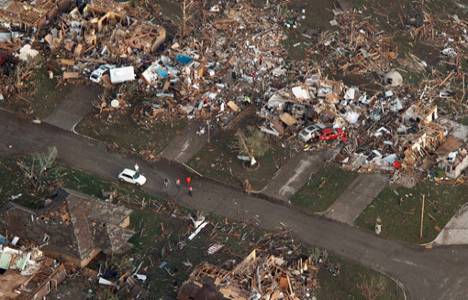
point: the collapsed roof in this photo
(31, 14)
(74, 225)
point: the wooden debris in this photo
(71, 75)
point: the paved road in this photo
(436, 274)
(356, 197)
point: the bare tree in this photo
(187, 14)
(36, 169)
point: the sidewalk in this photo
(357, 196)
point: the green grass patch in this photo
(359, 3)
(14, 186)
(464, 120)
(126, 133)
(400, 210)
(161, 241)
(47, 93)
(218, 160)
(318, 14)
(356, 282)
(41, 93)
(13, 182)
(83, 182)
(323, 188)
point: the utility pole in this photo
(422, 217)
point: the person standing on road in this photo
(166, 182)
(178, 183)
(190, 190)
(188, 180)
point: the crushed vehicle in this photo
(333, 134)
(97, 74)
(310, 132)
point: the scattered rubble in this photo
(237, 59)
(28, 274)
(256, 277)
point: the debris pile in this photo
(258, 276)
(105, 31)
(27, 274)
(31, 15)
(453, 157)
(383, 131)
(355, 47)
(214, 75)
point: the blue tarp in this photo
(3, 240)
(162, 73)
(183, 59)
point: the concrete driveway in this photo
(357, 196)
(294, 174)
(75, 105)
(455, 231)
(185, 145)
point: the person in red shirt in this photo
(188, 180)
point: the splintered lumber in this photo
(71, 75)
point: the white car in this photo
(132, 176)
(96, 75)
(310, 132)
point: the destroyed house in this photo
(28, 274)
(419, 144)
(453, 157)
(421, 112)
(46, 279)
(74, 227)
(106, 28)
(31, 14)
(257, 276)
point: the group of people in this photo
(188, 181)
